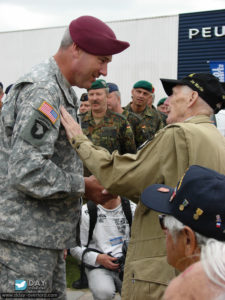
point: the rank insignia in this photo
(49, 112)
(218, 221)
(197, 214)
(183, 205)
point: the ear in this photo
(190, 241)
(193, 98)
(76, 50)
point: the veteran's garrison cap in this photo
(198, 201)
(208, 87)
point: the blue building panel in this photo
(201, 40)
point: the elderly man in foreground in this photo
(194, 225)
(190, 138)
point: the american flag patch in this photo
(49, 112)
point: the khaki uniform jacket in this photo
(162, 160)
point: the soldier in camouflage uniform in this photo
(41, 177)
(151, 118)
(104, 127)
(114, 104)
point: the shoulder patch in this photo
(49, 112)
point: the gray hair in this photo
(174, 226)
(118, 95)
(213, 261)
(66, 39)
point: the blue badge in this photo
(20, 285)
(116, 241)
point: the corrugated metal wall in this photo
(152, 54)
(195, 53)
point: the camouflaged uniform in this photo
(151, 120)
(135, 123)
(41, 176)
(113, 132)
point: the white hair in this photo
(66, 39)
(212, 252)
(174, 226)
(213, 261)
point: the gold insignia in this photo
(183, 205)
(197, 214)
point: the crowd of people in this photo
(94, 182)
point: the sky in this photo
(30, 14)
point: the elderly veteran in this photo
(142, 98)
(194, 225)
(190, 138)
(41, 177)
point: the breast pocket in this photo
(109, 132)
(109, 139)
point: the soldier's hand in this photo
(95, 191)
(72, 127)
(107, 261)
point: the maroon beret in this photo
(95, 37)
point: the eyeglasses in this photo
(162, 221)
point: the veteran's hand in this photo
(72, 127)
(95, 191)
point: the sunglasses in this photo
(162, 221)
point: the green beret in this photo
(98, 84)
(144, 85)
(161, 101)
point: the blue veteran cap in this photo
(198, 201)
(84, 97)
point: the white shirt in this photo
(220, 121)
(110, 231)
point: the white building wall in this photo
(152, 53)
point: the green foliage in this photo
(72, 270)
